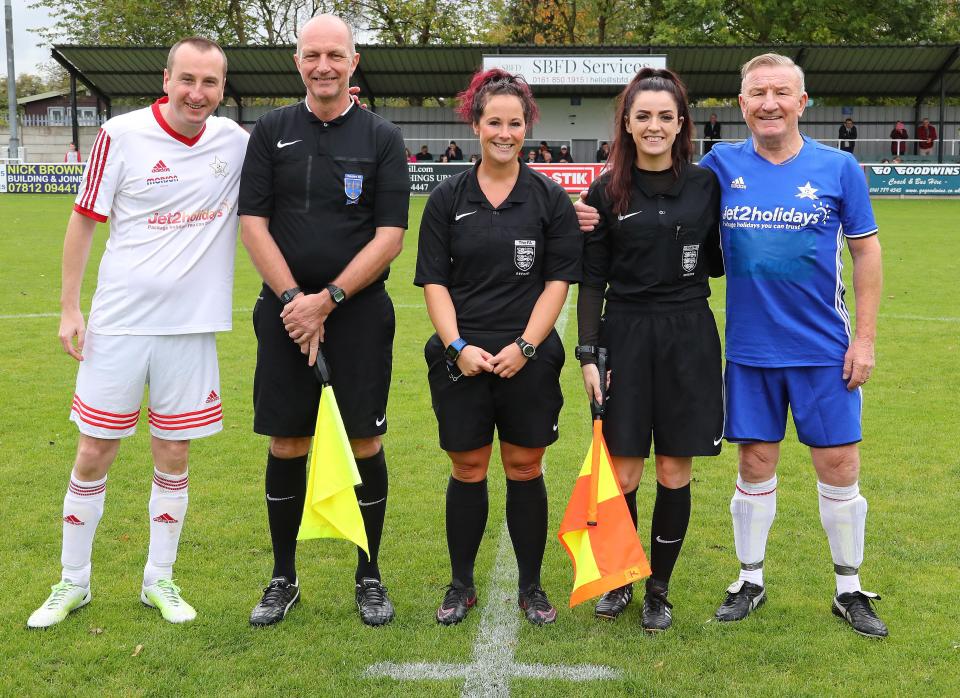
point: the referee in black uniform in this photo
(498, 248)
(657, 243)
(323, 205)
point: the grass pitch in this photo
(792, 646)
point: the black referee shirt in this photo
(325, 186)
(663, 247)
(495, 261)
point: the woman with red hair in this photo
(499, 246)
(656, 245)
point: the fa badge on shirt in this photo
(352, 187)
(524, 253)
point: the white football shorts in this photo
(181, 371)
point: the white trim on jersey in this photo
(840, 289)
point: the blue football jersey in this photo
(782, 229)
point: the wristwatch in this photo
(289, 295)
(337, 294)
(527, 349)
(453, 351)
(585, 351)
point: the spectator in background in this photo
(532, 156)
(444, 158)
(926, 134)
(474, 159)
(603, 152)
(407, 154)
(898, 139)
(848, 135)
(424, 154)
(453, 152)
(564, 154)
(72, 154)
(544, 149)
(711, 133)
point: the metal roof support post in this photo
(943, 100)
(109, 105)
(74, 118)
(916, 121)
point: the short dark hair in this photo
(201, 44)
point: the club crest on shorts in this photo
(524, 253)
(689, 259)
(352, 187)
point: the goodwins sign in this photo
(575, 70)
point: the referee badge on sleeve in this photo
(352, 187)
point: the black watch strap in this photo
(586, 353)
(336, 293)
(526, 348)
(289, 295)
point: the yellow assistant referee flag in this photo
(331, 509)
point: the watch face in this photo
(529, 350)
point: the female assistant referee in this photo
(499, 246)
(657, 243)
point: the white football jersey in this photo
(171, 200)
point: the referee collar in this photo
(344, 115)
(517, 195)
(640, 181)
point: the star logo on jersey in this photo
(807, 192)
(219, 167)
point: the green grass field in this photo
(792, 646)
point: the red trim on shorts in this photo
(100, 418)
(182, 415)
(169, 129)
(754, 494)
(191, 425)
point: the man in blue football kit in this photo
(788, 206)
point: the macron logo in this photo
(738, 183)
(160, 167)
(165, 518)
(73, 520)
(212, 397)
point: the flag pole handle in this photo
(597, 410)
(321, 369)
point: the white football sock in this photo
(843, 513)
(82, 510)
(754, 506)
(168, 509)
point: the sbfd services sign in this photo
(575, 70)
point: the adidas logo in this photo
(160, 167)
(165, 518)
(73, 520)
(738, 183)
(212, 397)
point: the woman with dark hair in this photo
(499, 246)
(657, 242)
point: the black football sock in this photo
(467, 507)
(286, 488)
(631, 498)
(527, 523)
(372, 496)
(671, 515)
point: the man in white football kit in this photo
(167, 176)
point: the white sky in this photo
(28, 55)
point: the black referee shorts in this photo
(358, 346)
(523, 409)
(666, 381)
